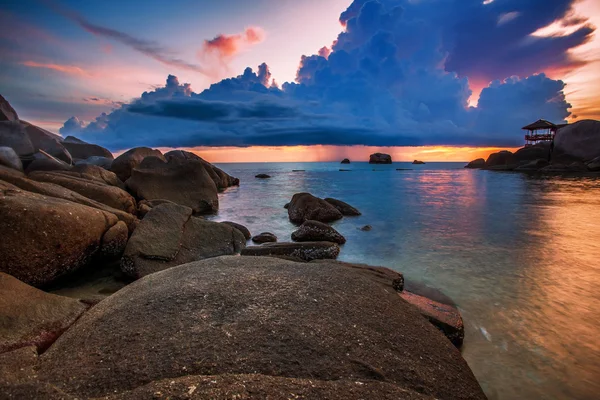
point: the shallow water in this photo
(519, 255)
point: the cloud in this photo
(66, 69)
(386, 81)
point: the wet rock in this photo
(380, 158)
(366, 228)
(126, 162)
(345, 208)
(93, 189)
(286, 206)
(306, 251)
(445, 317)
(222, 180)
(501, 161)
(305, 206)
(184, 182)
(10, 159)
(533, 165)
(315, 231)
(44, 238)
(273, 319)
(345, 161)
(580, 140)
(102, 162)
(263, 176)
(12, 134)
(476, 164)
(240, 228)
(265, 237)
(31, 317)
(417, 162)
(7, 113)
(41, 139)
(82, 150)
(169, 236)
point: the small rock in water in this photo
(265, 237)
(287, 205)
(366, 228)
(315, 231)
(263, 176)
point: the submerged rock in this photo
(265, 237)
(305, 206)
(10, 159)
(292, 327)
(366, 228)
(476, 164)
(240, 228)
(306, 251)
(315, 231)
(380, 158)
(345, 208)
(126, 162)
(263, 176)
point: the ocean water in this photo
(519, 254)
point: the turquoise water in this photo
(520, 255)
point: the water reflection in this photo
(517, 253)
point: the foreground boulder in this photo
(184, 182)
(290, 327)
(31, 317)
(380, 158)
(45, 162)
(95, 173)
(306, 251)
(169, 236)
(12, 134)
(126, 162)
(503, 161)
(345, 208)
(476, 164)
(580, 140)
(222, 180)
(240, 228)
(82, 150)
(305, 206)
(10, 159)
(315, 231)
(41, 139)
(44, 238)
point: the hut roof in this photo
(540, 124)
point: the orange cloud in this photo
(67, 69)
(227, 46)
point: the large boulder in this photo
(528, 154)
(82, 150)
(44, 237)
(345, 208)
(126, 162)
(222, 180)
(245, 231)
(50, 189)
(580, 140)
(12, 134)
(45, 162)
(380, 158)
(169, 236)
(41, 139)
(10, 159)
(306, 251)
(315, 231)
(503, 160)
(305, 206)
(91, 188)
(476, 164)
(94, 172)
(7, 113)
(290, 327)
(184, 182)
(30, 317)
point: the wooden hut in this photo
(540, 131)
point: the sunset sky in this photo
(438, 80)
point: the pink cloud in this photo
(227, 46)
(67, 69)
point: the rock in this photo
(82, 150)
(10, 159)
(379, 158)
(476, 164)
(102, 162)
(7, 113)
(531, 153)
(184, 182)
(265, 237)
(315, 231)
(305, 206)
(366, 228)
(94, 172)
(445, 317)
(286, 206)
(576, 166)
(92, 188)
(45, 162)
(292, 326)
(222, 180)
(44, 237)
(533, 165)
(49, 189)
(345, 161)
(169, 236)
(503, 160)
(345, 208)
(31, 317)
(417, 162)
(580, 140)
(145, 206)
(594, 165)
(114, 241)
(126, 162)
(306, 251)
(263, 176)
(345, 170)
(12, 134)
(41, 139)
(240, 228)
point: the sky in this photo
(303, 80)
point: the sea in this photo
(518, 253)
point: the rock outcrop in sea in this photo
(380, 158)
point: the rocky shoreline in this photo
(192, 310)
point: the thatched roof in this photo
(540, 124)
